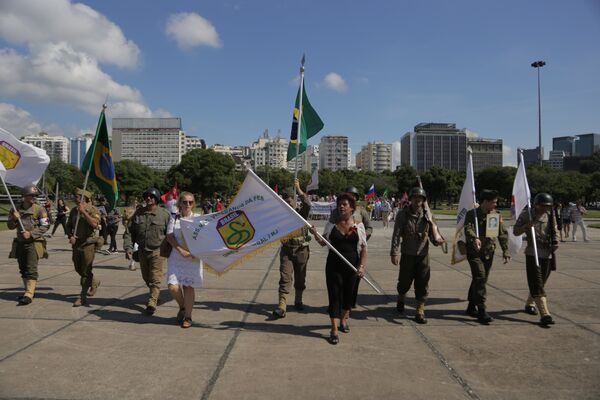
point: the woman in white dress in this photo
(184, 271)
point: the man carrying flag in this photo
(170, 200)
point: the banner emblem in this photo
(9, 155)
(235, 229)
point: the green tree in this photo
(406, 177)
(134, 178)
(68, 176)
(500, 179)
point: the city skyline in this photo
(230, 70)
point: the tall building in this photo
(486, 153)
(79, 147)
(375, 156)
(577, 145)
(157, 143)
(334, 153)
(57, 147)
(193, 142)
(269, 151)
(532, 156)
(434, 144)
(556, 159)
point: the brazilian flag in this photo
(98, 161)
(310, 126)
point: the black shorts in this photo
(566, 221)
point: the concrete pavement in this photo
(236, 351)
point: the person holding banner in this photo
(29, 245)
(293, 257)
(544, 226)
(350, 239)
(184, 271)
(481, 244)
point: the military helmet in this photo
(31, 190)
(543, 199)
(353, 190)
(417, 191)
(152, 192)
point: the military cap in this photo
(543, 199)
(85, 193)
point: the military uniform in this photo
(481, 260)
(84, 248)
(29, 251)
(148, 229)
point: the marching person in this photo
(577, 213)
(112, 225)
(29, 245)
(184, 271)
(148, 228)
(125, 217)
(480, 252)
(293, 257)
(349, 238)
(62, 211)
(544, 226)
(414, 228)
(84, 242)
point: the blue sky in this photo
(374, 69)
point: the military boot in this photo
(27, 298)
(420, 315)
(152, 300)
(482, 315)
(400, 304)
(542, 304)
(530, 306)
(81, 301)
(471, 310)
(24, 289)
(279, 312)
(94, 288)
(298, 305)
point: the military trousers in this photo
(480, 271)
(83, 260)
(151, 265)
(27, 258)
(292, 267)
(414, 269)
(537, 276)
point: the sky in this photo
(229, 69)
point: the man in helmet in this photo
(29, 245)
(83, 232)
(412, 232)
(480, 251)
(148, 228)
(544, 228)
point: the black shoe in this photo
(400, 307)
(299, 306)
(420, 319)
(472, 310)
(279, 313)
(25, 300)
(150, 310)
(334, 339)
(484, 317)
(547, 320)
(345, 328)
(531, 310)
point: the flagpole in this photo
(535, 250)
(12, 202)
(470, 153)
(276, 196)
(299, 132)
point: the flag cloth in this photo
(314, 181)
(466, 203)
(98, 160)
(521, 197)
(256, 218)
(310, 126)
(385, 194)
(23, 162)
(170, 195)
(371, 192)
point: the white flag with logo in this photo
(314, 181)
(521, 196)
(466, 203)
(256, 218)
(24, 163)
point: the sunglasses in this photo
(187, 202)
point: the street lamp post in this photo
(537, 65)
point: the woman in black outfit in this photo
(350, 239)
(61, 216)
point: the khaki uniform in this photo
(148, 229)
(29, 251)
(84, 248)
(412, 233)
(481, 261)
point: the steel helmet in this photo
(417, 191)
(152, 192)
(31, 190)
(543, 199)
(353, 190)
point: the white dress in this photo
(186, 271)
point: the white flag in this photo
(314, 181)
(466, 203)
(521, 196)
(256, 218)
(23, 162)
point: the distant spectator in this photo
(577, 213)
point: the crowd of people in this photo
(152, 234)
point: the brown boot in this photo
(420, 314)
(152, 300)
(298, 305)
(94, 288)
(281, 308)
(530, 306)
(27, 298)
(545, 317)
(80, 301)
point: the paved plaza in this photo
(235, 350)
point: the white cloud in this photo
(191, 30)
(35, 22)
(335, 82)
(18, 121)
(509, 156)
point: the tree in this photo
(500, 179)
(590, 165)
(134, 178)
(68, 177)
(406, 177)
(435, 182)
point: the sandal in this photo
(187, 323)
(334, 339)
(345, 327)
(180, 315)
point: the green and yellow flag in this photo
(98, 160)
(310, 126)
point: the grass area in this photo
(596, 226)
(505, 213)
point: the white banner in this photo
(314, 181)
(23, 162)
(256, 218)
(466, 203)
(521, 196)
(322, 207)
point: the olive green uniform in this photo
(412, 233)
(481, 261)
(84, 248)
(148, 229)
